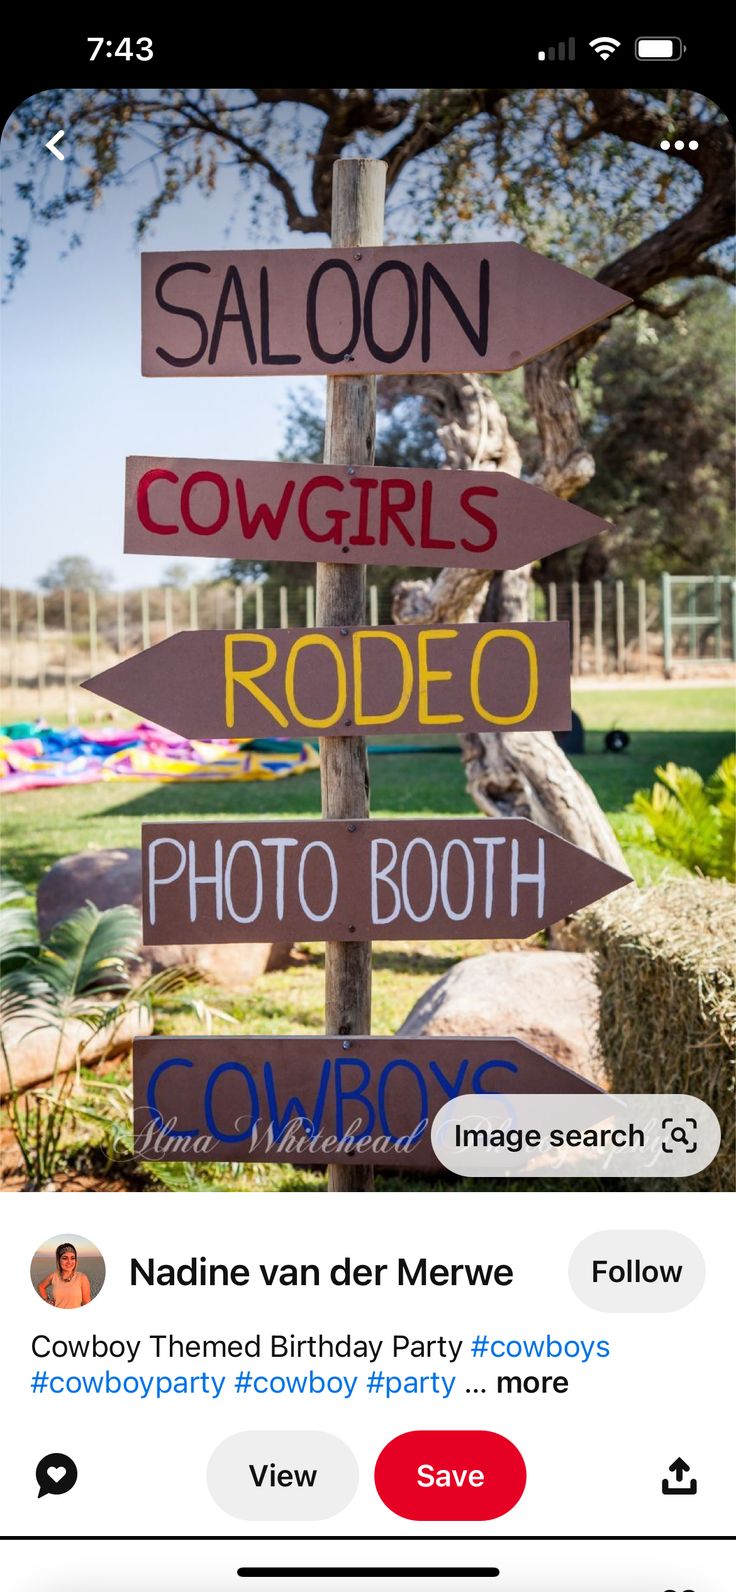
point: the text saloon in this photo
(405, 678)
(225, 508)
(286, 312)
(316, 1100)
(394, 879)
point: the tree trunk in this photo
(527, 775)
(518, 775)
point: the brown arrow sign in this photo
(311, 1100)
(392, 879)
(227, 508)
(440, 308)
(208, 684)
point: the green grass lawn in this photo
(673, 723)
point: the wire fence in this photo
(49, 643)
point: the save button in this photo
(450, 1475)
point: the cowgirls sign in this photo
(228, 508)
(350, 312)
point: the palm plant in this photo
(692, 821)
(83, 973)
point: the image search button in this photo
(55, 1473)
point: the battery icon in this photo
(670, 49)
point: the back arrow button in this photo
(52, 143)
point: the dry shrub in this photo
(666, 969)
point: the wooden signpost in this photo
(376, 311)
(350, 312)
(215, 882)
(228, 508)
(308, 1100)
(348, 679)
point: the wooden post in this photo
(238, 607)
(41, 651)
(667, 625)
(373, 595)
(598, 625)
(692, 628)
(620, 629)
(284, 603)
(643, 626)
(68, 653)
(310, 608)
(121, 624)
(576, 628)
(552, 599)
(13, 596)
(718, 611)
(259, 607)
(358, 191)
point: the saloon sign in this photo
(314, 1100)
(347, 312)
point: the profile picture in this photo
(67, 1271)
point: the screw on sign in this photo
(351, 312)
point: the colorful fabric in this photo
(33, 756)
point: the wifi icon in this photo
(604, 47)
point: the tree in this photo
(662, 430)
(576, 173)
(77, 573)
(177, 575)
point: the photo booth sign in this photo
(214, 882)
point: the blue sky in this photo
(73, 400)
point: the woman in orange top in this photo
(67, 1288)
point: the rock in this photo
(112, 878)
(106, 878)
(31, 1049)
(547, 998)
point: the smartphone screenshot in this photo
(368, 792)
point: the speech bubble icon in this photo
(55, 1473)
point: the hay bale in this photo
(666, 972)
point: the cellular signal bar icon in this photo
(558, 52)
